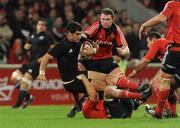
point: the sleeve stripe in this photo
(92, 28)
(122, 38)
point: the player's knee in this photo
(165, 80)
(16, 76)
(109, 92)
(25, 82)
(114, 76)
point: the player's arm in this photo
(90, 51)
(163, 16)
(152, 22)
(150, 55)
(43, 66)
(92, 94)
(27, 46)
(53, 53)
(140, 66)
(121, 41)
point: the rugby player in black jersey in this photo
(38, 44)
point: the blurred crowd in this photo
(154, 4)
(18, 18)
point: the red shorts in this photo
(93, 109)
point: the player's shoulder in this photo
(96, 24)
(161, 40)
(171, 3)
(115, 26)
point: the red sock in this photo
(166, 105)
(129, 95)
(173, 108)
(125, 83)
(161, 101)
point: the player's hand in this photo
(141, 31)
(87, 52)
(132, 74)
(123, 51)
(42, 77)
(119, 50)
(81, 76)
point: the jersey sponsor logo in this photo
(41, 38)
(104, 43)
(70, 51)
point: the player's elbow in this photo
(47, 57)
(161, 18)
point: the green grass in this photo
(55, 117)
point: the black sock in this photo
(27, 95)
(22, 94)
(81, 101)
(17, 85)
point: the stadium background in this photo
(17, 23)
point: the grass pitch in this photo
(55, 117)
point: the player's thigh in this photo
(98, 85)
(97, 76)
(26, 80)
(114, 76)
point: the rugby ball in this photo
(84, 47)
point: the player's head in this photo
(41, 25)
(152, 36)
(106, 18)
(74, 31)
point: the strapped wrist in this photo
(95, 50)
(41, 72)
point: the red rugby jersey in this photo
(157, 49)
(172, 12)
(105, 38)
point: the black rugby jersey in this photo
(40, 43)
(66, 54)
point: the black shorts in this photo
(103, 65)
(31, 68)
(119, 108)
(171, 63)
(77, 85)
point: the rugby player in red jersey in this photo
(117, 103)
(157, 48)
(170, 67)
(108, 35)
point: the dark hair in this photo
(43, 20)
(108, 11)
(73, 26)
(154, 34)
